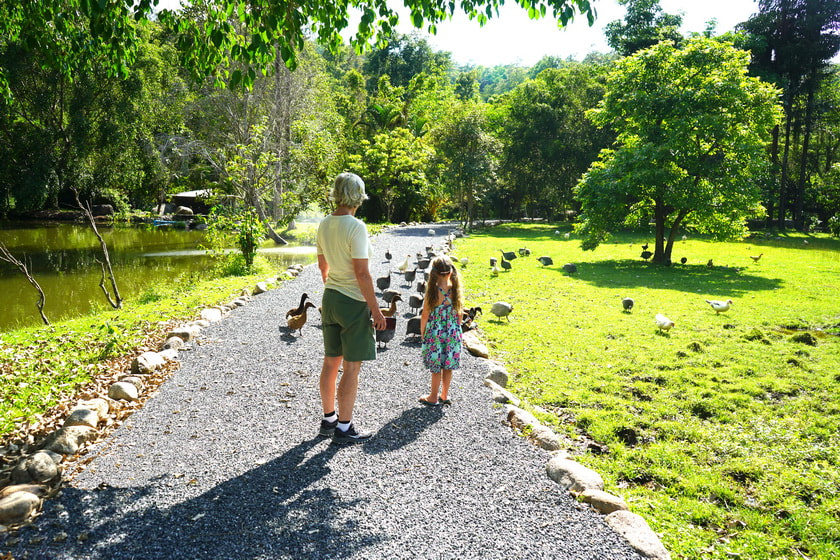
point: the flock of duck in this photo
(411, 269)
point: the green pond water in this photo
(62, 258)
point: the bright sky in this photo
(513, 38)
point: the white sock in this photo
(331, 418)
(344, 426)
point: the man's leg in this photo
(347, 389)
(329, 373)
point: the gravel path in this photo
(223, 462)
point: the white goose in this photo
(720, 306)
(403, 266)
(663, 322)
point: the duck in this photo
(299, 309)
(412, 327)
(387, 334)
(415, 302)
(494, 271)
(296, 322)
(493, 261)
(719, 306)
(409, 276)
(645, 247)
(423, 264)
(388, 255)
(506, 264)
(501, 309)
(421, 287)
(389, 294)
(545, 261)
(627, 303)
(710, 264)
(384, 282)
(509, 255)
(570, 268)
(755, 258)
(524, 252)
(464, 262)
(391, 310)
(567, 235)
(646, 254)
(468, 318)
(403, 266)
(683, 260)
(663, 322)
(431, 232)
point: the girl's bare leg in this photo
(446, 378)
(433, 392)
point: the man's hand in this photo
(378, 320)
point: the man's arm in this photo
(360, 269)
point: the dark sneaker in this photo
(327, 428)
(350, 436)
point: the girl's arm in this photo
(424, 318)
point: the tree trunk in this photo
(669, 247)
(799, 197)
(659, 242)
(269, 231)
(774, 158)
(784, 173)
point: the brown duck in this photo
(390, 311)
(296, 322)
(299, 309)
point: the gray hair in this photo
(349, 190)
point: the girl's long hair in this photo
(432, 296)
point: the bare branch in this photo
(116, 301)
(6, 256)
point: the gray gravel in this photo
(223, 462)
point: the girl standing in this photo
(440, 327)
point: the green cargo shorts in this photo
(347, 328)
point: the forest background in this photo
(432, 139)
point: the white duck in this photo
(720, 306)
(663, 322)
(403, 266)
(501, 309)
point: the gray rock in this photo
(198, 324)
(184, 333)
(212, 314)
(545, 438)
(146, 363)
(573, 476)
(502, 395)
(173, 343)
(67, 441)
(519, 418)
(292, 272)
(184, 211)
(638, 533)
(38, 489)
(18, 507)
(170, 354)
(260, 288)
(122, 391)
(82, 417)
(134, 380)
(603, 502)
(474, 346)
(100, 406)
(38, 467)
(498, 374)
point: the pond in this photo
(63, 260)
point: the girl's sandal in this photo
(444, 401)
(428, 403)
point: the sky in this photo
(513, 38)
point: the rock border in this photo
(582, 482)
(44, 465)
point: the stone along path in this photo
(224, 461)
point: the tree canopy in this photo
(79, 34)
(692, 129)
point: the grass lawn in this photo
(723, 433)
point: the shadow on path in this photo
(273, 511)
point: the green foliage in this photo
(42, 366)
(643, 26)
(726, 442)
(239, 227)
(692, 130)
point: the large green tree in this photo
(692, 129)
(644, 25)
(76, 34)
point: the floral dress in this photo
(442, 342)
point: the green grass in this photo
(41, 367)
(724, 433)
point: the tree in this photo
(548, 142)
(468, 155)
(252, 32)
(644, 26)
(690, 151)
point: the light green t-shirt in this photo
(341, 239)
